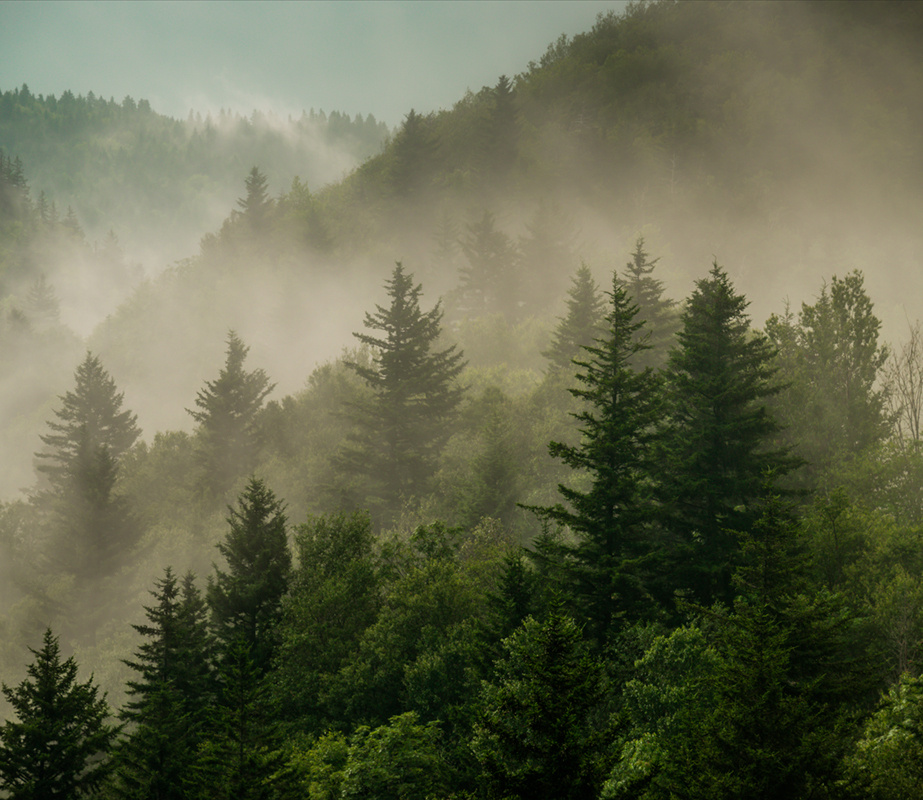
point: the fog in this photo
(786, 168)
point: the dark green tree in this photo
(228, 408)
(246, 600)
(716, 448)
(58, 747)
(660, 315)
(412, 154)
(540, 728)
(611, 519)
(333, 597)
(583, 323)
(502, 129)
(257, 205)
(414, 394)
(171, 694)
(92, 526)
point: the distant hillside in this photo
(160, 183)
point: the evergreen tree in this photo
(228, 408)
(716, 447)
(539, 726)
(502, 129)
(246, 600)
(490, 283)
(58, 747)
(412, 157)
(583, 323)
(659, 314)
(403, 425)
(611, 519)
(92, 525)
(170, 695)
(257, 204)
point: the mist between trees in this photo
(501, 467)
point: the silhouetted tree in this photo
(403, 425)
(58, 746)
(228, 407)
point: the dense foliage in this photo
(525, 538)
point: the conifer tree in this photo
(170, 695)
(716, 447)
(611, 518)
(228, 408)
(246, 600)
(257, 204)
(93, 527)
(401, 428)
(58, 746)
(581, 325)
(658, 313)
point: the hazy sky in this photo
(379, 57)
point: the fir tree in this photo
(581, 325)
(58, 747)
(610, 519)
(170, 695)
(246, 600)
(228, 407)
(402, 427)
(93, 528)
(716, 446)
(257, 204)
(659, 314)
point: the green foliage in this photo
(401, 760)
(716, 445)
(834, 409)
(887, 763)
(403, 425)
(658, 313)
(228, 436)
(246, 600)
(334, 596)
(582, 325)
(170, 696)
(93, 529)
(539, 730)
(606, 566)
(58, 747)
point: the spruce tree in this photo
(401, 428)
(92, 526)
(58, 746)
(490, 282)
(659, 314)
(228, 408)
(716, 447)
(168, 699)
(257, 204)
(581, 325)
(611, 519)
(246, 600)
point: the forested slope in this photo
(502, 467)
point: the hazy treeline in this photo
(477, 473)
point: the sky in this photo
(357, 57)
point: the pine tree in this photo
(582, 324)
(58, 748)
(92, 524)
(659, 314)
(402, 427)
(716, 447)
(257, 204)
(610, 519)
(170, 695)
(246, 600)
(228, 408)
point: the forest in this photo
(562, 444)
